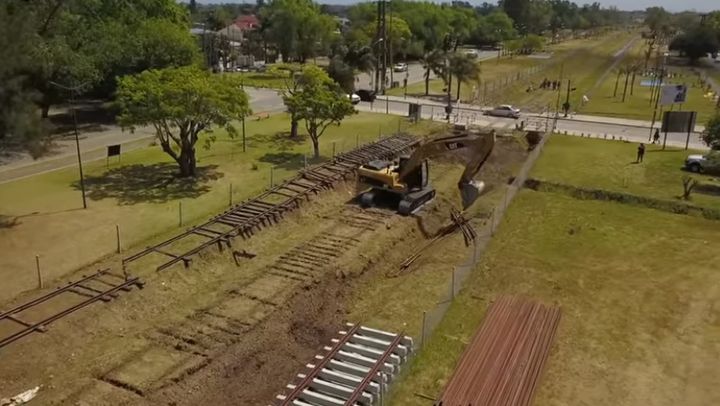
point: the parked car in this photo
(366, 95)
(504, 110)
(703, 163)
(354, 98)
(400, 67)
(471, 53)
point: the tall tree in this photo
(464, 68)
(297, 28)
(20, 125)
(318, 101)
(181, 104)
(518, 11)
(432, 62)
(696, 43)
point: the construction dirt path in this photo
(225, 334)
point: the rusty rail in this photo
(503, 363)
(94, 295)
(255, 214)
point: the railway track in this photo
(269, 207)
(100, 286)
(356, 369)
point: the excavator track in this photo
(414, 200)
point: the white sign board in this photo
(673, 94)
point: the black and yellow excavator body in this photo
(405, 183)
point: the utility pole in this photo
(378, 40)
(384, 48)
(390, 44)
(566, 106)
(557, 103)
(72, 91)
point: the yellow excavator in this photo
(404, 184)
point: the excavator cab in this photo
(405, 184)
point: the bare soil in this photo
(226, 335)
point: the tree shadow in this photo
(156, 183)
(280, 141)
(8, 221)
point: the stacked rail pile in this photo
(356, 369)
(503, 362)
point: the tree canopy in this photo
(297, 28)
(696, 43)
(318, 100)
(711, 135)
(181, 104)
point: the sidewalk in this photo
(574, 117)
(609, 131)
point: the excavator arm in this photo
(473, 147)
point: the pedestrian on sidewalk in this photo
(656, 136)
(640, 153)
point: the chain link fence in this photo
(431, 318)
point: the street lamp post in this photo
(242, 86)
(72, 91)
(659, 95)
(566, 105)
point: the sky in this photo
(671, 5)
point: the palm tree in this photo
(465, 68)
(360, 58)
(433, 62)
(630, 68)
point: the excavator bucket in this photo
(470, 192)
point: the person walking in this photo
(656, 136)
(640, 153)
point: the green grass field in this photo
(583, 67)
(637, 106)
(639, 293)
(586, 60)
(609, 165)
(263, 79)
(143, 196)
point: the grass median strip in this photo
(632, 307)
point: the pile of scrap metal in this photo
(457, 222)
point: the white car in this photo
(354, 98)
(400, 67)
(504, 110)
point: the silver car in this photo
(504, 110)
(695, 163)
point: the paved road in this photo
(93, 144)
(596, 129)
(266, 100)
(414, 74)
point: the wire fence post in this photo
(452, 284)
(333, 152)
(117, 235)
(357, 140)
(180, 214)
(492, 222)
(422, 333)
(231, 195)
(39, 274)
(305, 161)
(271, 176)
